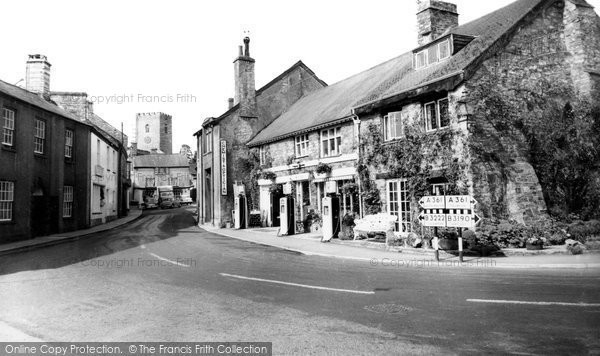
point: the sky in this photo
(177, 56)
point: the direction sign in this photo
(432, 202)
(436, 220)
(462, 220)
(460, 202)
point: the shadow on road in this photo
(154, 225)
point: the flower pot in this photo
(532, 247)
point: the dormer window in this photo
(432, 54)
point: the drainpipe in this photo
(356, 121)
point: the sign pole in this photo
(460, 244)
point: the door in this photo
(275, 197)
(399, 204)
(208, 196)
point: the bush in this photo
(593, 243)
(582, 230)
(505, 234)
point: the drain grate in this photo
(390, 308)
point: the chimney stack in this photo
(245, 91)
(434, 18)
(37, 77)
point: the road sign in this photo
(432, 202)
(461, 220)
(435, 220)
(460, 202)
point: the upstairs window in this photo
(331, 142)
(147, 128)
(8, 135)
(39, 136)
(432, 54)
(421, 59)
(69, 143)
(393, 127)
(437, 115)
(208, 142)
(301, 145)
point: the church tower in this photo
(154, 132)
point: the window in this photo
(262, 155)
(437, 115)
(115, 163)
(208, 142)
(150, 182)
(147, 128)
(421, 59)
(39, 136)
(444, 49)
(67, 201)
(97, 151)
(108, 167)
(392, 126)
(399, 204)
(69, 143)
(432, 54)
(8, 136)
(166, 128)
(7, 197)
(331, 141)
(302, 145)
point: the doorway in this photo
(207, 196)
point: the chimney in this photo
(434, 18)
(37, 77)
(230, 103)
(245, 91)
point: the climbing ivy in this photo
(414, 157)
(253, 170)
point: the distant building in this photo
(222, 140)
(159, 169)
(44, 160)
(154, 131)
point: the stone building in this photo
(44, 160)
(222, 140)
(154, 132)
(431, 87)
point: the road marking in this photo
(533, 303)
(296, 284)
(168, 260)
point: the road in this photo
(160, 278)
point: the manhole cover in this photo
(388, 309)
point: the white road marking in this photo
(296, 284)
(168, 260)
(533, 303)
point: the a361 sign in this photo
(448, 211)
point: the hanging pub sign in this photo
(223, 167)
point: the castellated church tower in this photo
(154, 132)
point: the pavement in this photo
(310, 244)
(41, 241)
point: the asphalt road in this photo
(160, 278)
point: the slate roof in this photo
(394, 77)
(262, 89)
(36, 100)
(160, 160)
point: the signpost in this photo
(449, 211)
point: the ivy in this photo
(251, 168)
(414, 157)
(554, 129)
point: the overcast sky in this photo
(158, 48)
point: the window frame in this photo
(425, 59)
(388, 133)
(438, 117)
(7, 200)
(439, 45)
(69, 145)
(39, 136)
(208, 141)
(336, 139)
(8, 130)
(403, 205)
(299, 141)
(68, 198)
